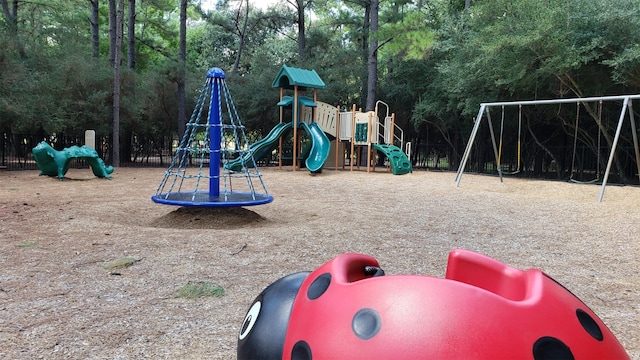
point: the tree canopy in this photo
(436, 60)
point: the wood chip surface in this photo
(58, 301)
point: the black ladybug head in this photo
(264, 327)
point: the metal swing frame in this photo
(499, 162)
(575, 146)
(627, 106)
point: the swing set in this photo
(575, 146)
(574, 168)
(627, 107)
(519, 144)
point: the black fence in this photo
(16, 150)
(557, 163)
(582, 164)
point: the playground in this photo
(61, 297)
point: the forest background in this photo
(131, 70)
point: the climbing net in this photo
(198, 174)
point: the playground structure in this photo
(343, 134)
(364, 132)
(52, 162)
(208, 146)
(627, 106)
(218, 143)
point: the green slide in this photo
(399, 161)
(320, 146)
(260, 148)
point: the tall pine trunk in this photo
(372, 65)
(182, 54)
(242, 37)
(131, 35)
(127, 151)
(112, 31)
(94, 21)
(365, 52)
(117, 51)
(302, 37)
(11, 17)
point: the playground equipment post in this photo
(214, 133)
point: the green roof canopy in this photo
(288, 77)
(302, 100)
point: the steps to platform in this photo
(398, 160)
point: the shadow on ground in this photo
(208, 218)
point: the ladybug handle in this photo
(349, 268)
(486, 273)
(373, 271)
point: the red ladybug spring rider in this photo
(482, 309)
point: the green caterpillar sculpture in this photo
(52, 162)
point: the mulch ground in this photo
(59, 299)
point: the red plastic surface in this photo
(483, 309)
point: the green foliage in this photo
(437, 60)
(504, 50)
(121, 263)
(411, 38)
(562, 46)
(28, 245)
(339, 66)
(195, 290)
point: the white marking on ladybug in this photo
(252, 317)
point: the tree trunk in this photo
(395, 14)
(11, 17)
(372, 71)
(131, 36)
(112, 32)
(365, 51)
(467, 4)
(116, 84)
(94, 21)
(127, 148)
(302, 39)
(182, 54)
(241, 37)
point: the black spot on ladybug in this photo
(319, 286)
(589, 324)
(366, 323)
(301, 351)
(550, 348)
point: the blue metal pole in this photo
(215, 129)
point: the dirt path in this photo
(57, 300)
